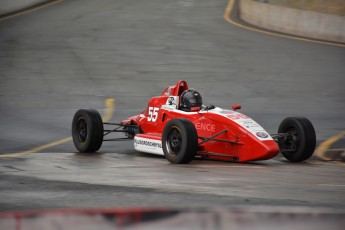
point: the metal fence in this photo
(324, 6)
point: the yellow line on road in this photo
(30, 10)
(109, 109)
(324, 146)
(37, 149)
(227, 18)
(108, 114)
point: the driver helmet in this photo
(190, 98)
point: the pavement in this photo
(76, 54)
(9, 8)
(12, 8)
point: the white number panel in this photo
(153, 114)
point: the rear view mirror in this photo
(236, 107)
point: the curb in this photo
(12, 8)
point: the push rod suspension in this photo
(206, 139)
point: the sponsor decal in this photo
(237, 116)
(262, 134)
(205, 127)
(147, 143)
(171, 101)
(148, 146)
(246, 122)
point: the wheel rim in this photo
(82, 129)
(290, 141)
(174, 141)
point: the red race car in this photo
(177, 125)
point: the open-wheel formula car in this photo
(177, 125)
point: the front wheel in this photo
(87, 130)
(297, 139)
(180, 141)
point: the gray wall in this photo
(294, 21)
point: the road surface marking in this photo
(324, 146)
(108, 114)
(30, 9)
(109, 109)
(227, 18)
(39, 148)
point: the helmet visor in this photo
(194, 99)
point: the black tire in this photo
(87, 130)
(180, 141)
(300, 145)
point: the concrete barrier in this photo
(236, 218)
(293, 21)
(12, 6)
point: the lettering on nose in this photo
(205, 127)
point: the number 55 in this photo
(153, 114)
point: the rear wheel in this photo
(180, 141)
(298, 140)
(87, 130)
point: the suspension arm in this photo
(212, 138)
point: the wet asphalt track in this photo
(78, 53)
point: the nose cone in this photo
(270, 150)
(258, 150)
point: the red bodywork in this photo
(223, 134)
